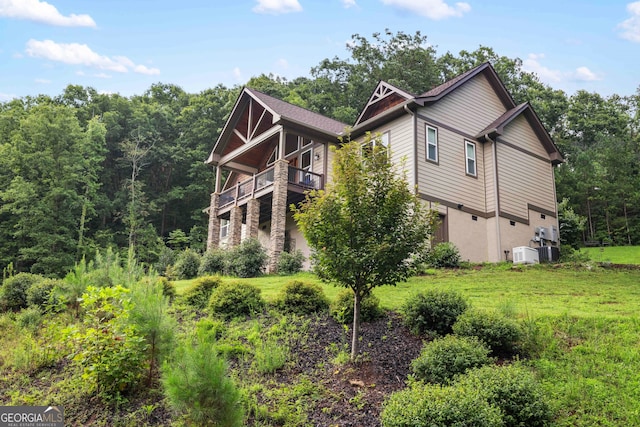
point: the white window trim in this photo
(224, 228)
(427, 143)
(467, 158)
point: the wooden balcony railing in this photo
(248, 188)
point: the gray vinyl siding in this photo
(489, 176)
(447, 180)
(524, 179)
(520, 133)
(401, 144)
(470, 108)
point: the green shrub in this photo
(197, 296)
(434, 311)
(341, 308)
(514, 390)
(41, 294)
(30, 318)
(166, 259)
(444, 255)
(209, 330)
(196, 384)
(301, 298)
(290, 263)
(498, 332)
(438, 406)
(187, 264)
(108, 350)
(235, 299)
(13, 294)
(168, 288)
(212, 262)
(249, 259)
(444, 358)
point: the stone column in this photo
(253, 218)
(278, 213)
(213, 235)
(235, 226)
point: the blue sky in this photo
(119, 46)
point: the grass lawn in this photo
(587, 320)
(615, 254)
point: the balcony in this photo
(260, 184)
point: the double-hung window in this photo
(432, 143)
(470, 155)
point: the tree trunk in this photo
(356, 326)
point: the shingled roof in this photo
(297, 114)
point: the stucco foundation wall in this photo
(469, 236)
(521, 234)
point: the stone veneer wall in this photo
(213, 235)
(278, 213)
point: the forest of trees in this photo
(83, 170)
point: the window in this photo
(432, 144)
(384, 140)
(291, 145)
(379, 139)
(470, 153)
(224, 228)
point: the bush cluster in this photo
(514, 390)
(444, 358)
(41, 294)
(248, 259)
(341, 308)
(437, 406)
(187, 264)
(433, 312)
(498, 332)
(443, 255)
(197, 296)
(235, 299)
(301, 298)
(13, 294)
(212, 262)
(290, 262)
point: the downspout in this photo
(496, 197)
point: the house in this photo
(483, 162)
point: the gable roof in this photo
(496, 128)
(279, 112)
(295, 114)
(383, 97)
(449, 86)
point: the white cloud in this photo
(7, 97)
(79, 73)
(43, 81)
(237, 74)
(631, 27)
(276, 7)
(81, 54)
(143, 69)
(532, 64)
(349, 3)
(102, 75)
(432, 9)
(41, 11)
(586, 75)
(282, 63)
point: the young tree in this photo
(364, 228)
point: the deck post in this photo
(213, 236)
(235, 226)
(253, 218)
(278, 213)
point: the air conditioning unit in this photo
(525, 255)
